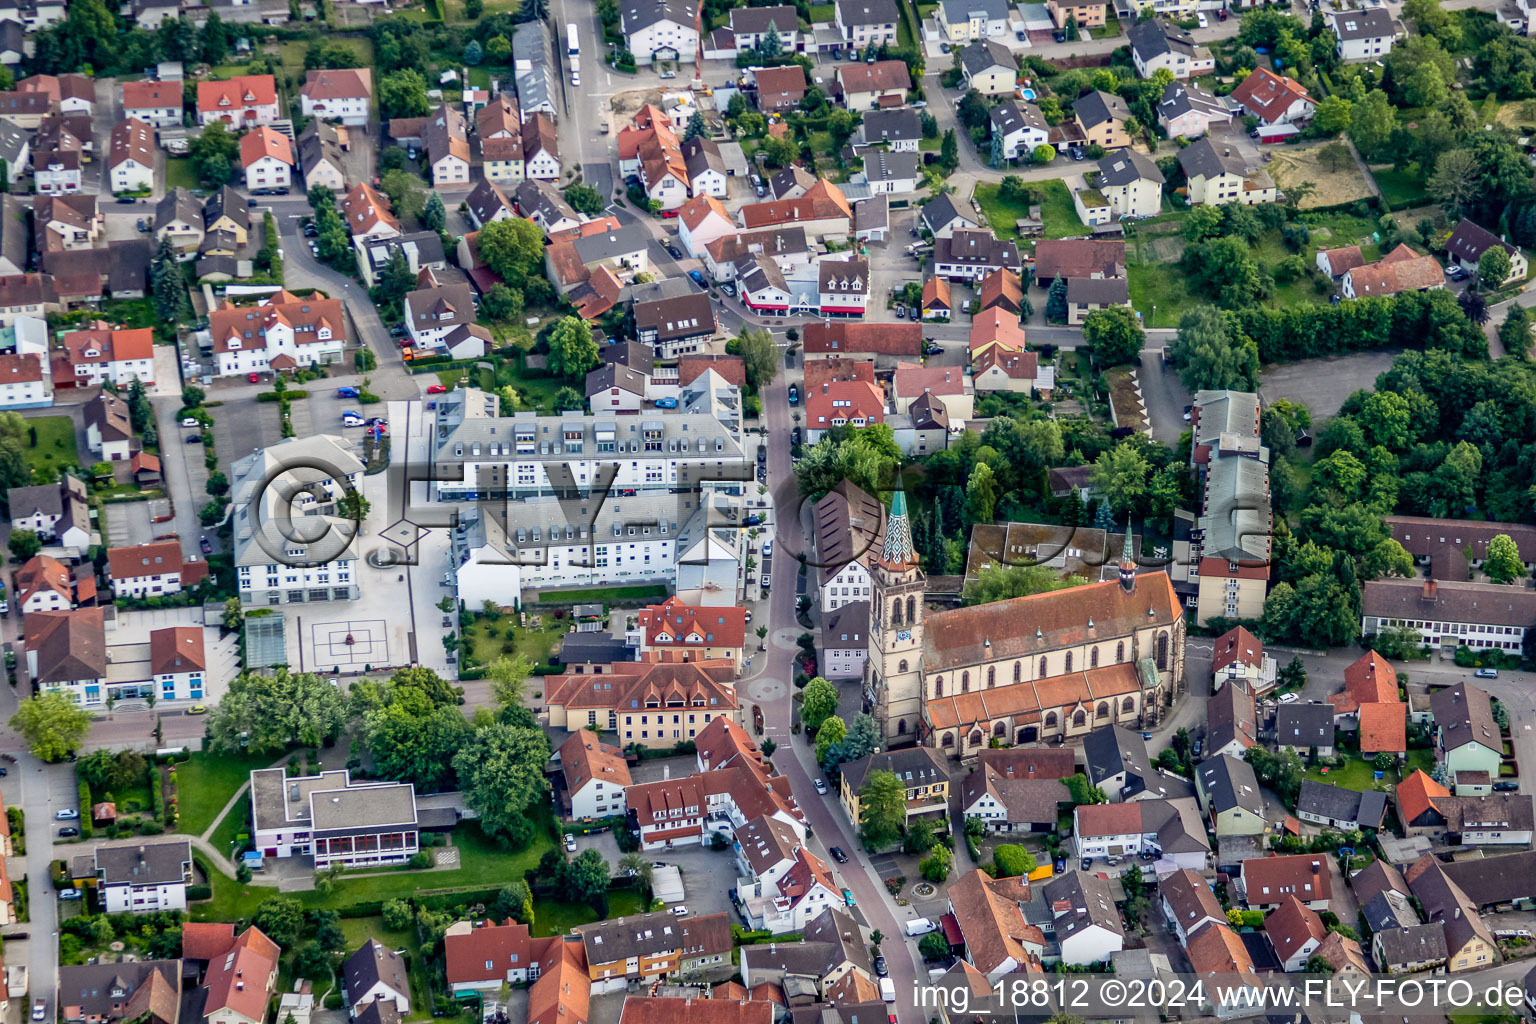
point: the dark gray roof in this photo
(1369, 23)
(428, 246)
(846, 626)
(1230, 783)
(1091, 901)
(1483, 603)
(898, 124)
(1367, 808)
(1112, 749)
(752, 20)
(1464, 714)
(178, 204)
(163, 863)
(984, 54)
(1229, 714)
(1011, 115)
(942, 210)
(487, 199)
(628, 353)
(1469, 241)
(648, 934)
(914, 766)
(1389, 910)
(225, 201)
(682, 317)
(1488, 881)
(867, 12)
(1127, 166)
(609, 244)
(1155, 37)
(1304, 725)
(637, 14)
(614, 376)
(534, 196)
(701, 154)
(1103, 291)
(12, 138)
(975, 248)
(1422, 943)
(1097, 107)
(371, 964)
(880, 165)
(1181, 97)
(1201, 158)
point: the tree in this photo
(585, 199)
(1502, 563)
(398, 915)
(434, 217)
(501, 774)
(1384, 761)
(882, 810)
(514, 249)
(213, 153)
(862, 739)
(498, 49)
(1371, 123)
(24, 544)
(1115, 335)
(403, 93)
(1294, 675)
(1493, 267)
(500, 302)
(412, 741)
(1474, 306)
(281, 919)
(933, 946)
(51, 723)
(166, 283)
(407, 193)
(818, 703)
(1211, 354)
(779, 152)
(1004, 582)
(981, 493)
(829, 736)
(1012, 860)
(572, 351)
(935, 867)
(1331, 117)
(586, 880)
(1515, 331)
(759, 356)
(1457, 181)
(1056, 302)
(263, 714)
(474, 53)
(1120, 475)
(1082, 791)
(949, 151)
(1317, 964)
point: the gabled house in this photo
(1156, 44)
(596, 776)
(941, 217)
(1085, 920)
(1230, 723)
(1216, 177)
(500, 127)
(1305, 728)
(108, 433)
(1189, 111)
(988, 67)
(1295, 932)
(152, 570)
(750, 25)
(1266, 882)
(702, 220)
(1467, 738)
(1401, 270)
(266, 157)
(1102, 118)
(1340, 808)
(1189, 903)
(779, 88)
(1364, 33)
(240, 982)
(883, 83)
(1169, 830)
(1230, 797)
(280, 332)
(1468, 243)
(899, 128)
(863, 23)
(1274, 99)
(344, 95)
(1239, 659)
(57, 513)
(963, 20)
(131, 156)
(156, 103)
(1131, 184)
(659, 30)
(242, 102)
(998, 940)
(67, 652)
(320, 147)
(375, 972)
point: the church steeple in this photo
(1127, 561)
(898, 549)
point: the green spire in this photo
(898, 530)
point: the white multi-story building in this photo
(25, 382)
(1171, 832)
(178, 662)
(152, 570)
(100, 353)
(138, 879)
(333, 819)
(849, 527)
(303, 549)
(844, 646)
(266, 156)
(659, 30)
(282, 332)
(865, 22)
(1448, 614)
(343, 95)
(242, 102)
(596, 776)
(131, 156)
(155, 103)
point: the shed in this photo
(667, 883)
(1277, 132)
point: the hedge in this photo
(196, 893)
(271, 396)
(85, 811)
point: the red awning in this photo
(952, 930)
(842, 309)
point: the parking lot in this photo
(126, 523)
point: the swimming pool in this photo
(1028, 94)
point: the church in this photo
(1044, 668)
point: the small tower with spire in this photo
(1127, 562)
(893, 682)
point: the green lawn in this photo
(552, 918)
(1159, 292)
(51, 444)
(359, 930)
(1056, 210)
(536, 394)
(823, 12)
(1403, 188)
(206, 782)
(235, 824)
(487, 640)
(1359, 775)
(483, 864)
(181, 172)
(637, 593)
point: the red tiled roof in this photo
(1237, 645)
(1369, 679)
(176, 649)
(675, 624)
(242, 981)
(1383, 727)
(1268, 95)
(1216, 949)
(1290, 925)
(1304, 875)
(151, 95)
(240, 91)
(204, 940)
(585, 757)
(486, 953)
(1417, 794)
(153, 559)
(847, 400)
(845, 338)
(643, 1009)
(263, 142)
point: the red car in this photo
(255, 377)
(436, 389)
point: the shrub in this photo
(196, 893)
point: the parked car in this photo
(679, 911)
(347, 392)
(932, 349)
(838, 854)
(881, 967)
(794, 394)
(570, 843)
(39, 1009)
(848, 898)
(1487, 673)
(436, 389)
(254, 378)
(68, 831)
(674, 251)
(67, 814)
(189, 421)
(351, 419)
(1202, 20)
(207, 548)
(377, 421)
(666, 403)
(194, 439)
(64, 894)
(1506, 786)
(1289, 698)
(821, 787)
(698, 278)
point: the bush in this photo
(196, 893)
(1012, 860)
(333, 1000)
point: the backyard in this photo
(1401, 188)
(205, 783)
(1357, 774)
(51, 445)
(487, 638)
(1056, 210)
(359, 930)
(555, 918)
(181, 172)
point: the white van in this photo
(920, 926)
(888, 990)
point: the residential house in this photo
(1295, 932)
(678, 632)
(843, 646)
(596, 776)
(1338, 262)
(1216, 177)
(706, 167)
(57, 513)
(865, 23)
(1170, 830)
(659, 30)
(60, 149)
(941, 217)
(883, 83)
(988, 67)
(375, 972)
(131, 157)
(899, 128)
(1230, 797)
(266, 157)
(338, 94)
(108, 434)
(1274, 99)
(421, 250)
(500, 127)
(749, 25)
(1425, 807)
(541, 148)
(1230, 724)
(482, 956)
(1340, 808)
(1083, 13)
(67, 652)
(1469, 944)
(847, 525)
(240, 980)
(280, 332)
(1017, 790)
(336, 820)
(98, 353)
(242, 102)
(1306, 729)
(445, 139)
(1187, 110)
(780, 88)
(148, 990)
(1018, 128)
(783, 886)
(1467, 738)
(179, 217)
(1401, 270)
(1411, 949)
(702, 220)
(997, 938)
(1264, 883)
(1077, 257)
(1364, 33)
(434, 312)
(580, 696)
(44, 584)
(1218, 950)
(936, 302)
(152, 570)
(1086, 922)
(1189, 903)
(1085, 294)
(844, 338)
(676, 326)
(643, 947)
(141, 879)
(921, 771)
(968, 255)
(25, 381)
(158, 104)
(891, 173)
(1102, 117)
(1468, 243)
(320, 149)
(539, 201)
(1239, 658)
(1157, 44)
(1131, 184)
(1453, 549)
(178, 662)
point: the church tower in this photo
(1127, 562)
(893, 673)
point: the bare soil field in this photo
(1295, 164)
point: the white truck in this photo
(575, 63)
